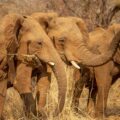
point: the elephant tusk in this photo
(51, 63)
(75, 64)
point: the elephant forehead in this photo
(63, 20)
(30, 35)
(33, 32)
(71, 35)
(65, 29)
(31, 25)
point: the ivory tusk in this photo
(36, 58)
(75, 64)
(51, 63)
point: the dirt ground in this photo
(14, 107)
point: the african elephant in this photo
(44, 84)
(36, 47)
(71, 39)
(103, 83)
(105, 74)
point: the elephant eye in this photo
(62, 40)
(40, 43)
(61, 43)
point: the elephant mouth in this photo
(70, 62)
(64, 58)
(32, 60)
(38, 61)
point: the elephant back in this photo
(100, 40)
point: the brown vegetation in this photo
(14, 111)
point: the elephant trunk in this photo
(90, 59)
(60, 74)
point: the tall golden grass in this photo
(13, 109)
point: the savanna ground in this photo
(14, 106)
(92, 11)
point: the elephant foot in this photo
(30, 103)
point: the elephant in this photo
(43, 85)
(100, 43)
(35, 51)
(72, 41)
(102, 76)
(110, 70)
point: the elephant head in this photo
(70, 36)
(34, 43)
(44, 18)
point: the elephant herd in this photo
(30, 46)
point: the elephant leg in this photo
(3, 89)
(42, 88)
(23, 85)
(103, 80)
(92, 99)
(77, 90)
(80, 78)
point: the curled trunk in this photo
(91, 59)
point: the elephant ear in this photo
(44, 18)
(82, 27)
(22, 50)
(23, 54)
(10, 27)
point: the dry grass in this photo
(14, 111)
